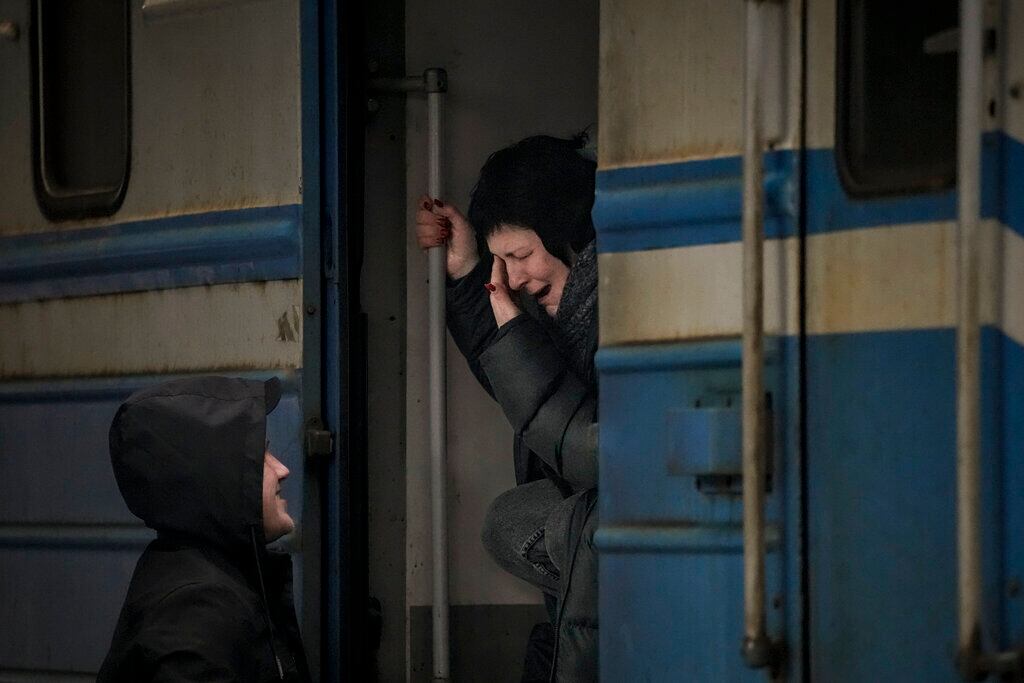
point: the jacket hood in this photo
(188, 456)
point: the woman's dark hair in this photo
(542, 183)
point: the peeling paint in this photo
(223, 327)
(288, 327)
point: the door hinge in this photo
(319, 443)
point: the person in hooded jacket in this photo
(207, 601)
(522, 308)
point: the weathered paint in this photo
(1013, 65)
(897, 277)
(672, 79)
(222, 327)
(821, 70)
(691, 292)
(68, 543)
(671, 551)
(900, 277)
(215, 115)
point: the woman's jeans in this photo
(524, 532)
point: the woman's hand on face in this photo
(438, 224)
(502, 304)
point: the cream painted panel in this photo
(889, 278)
(1012, 308)
(223, 327)
(692, 292)
(215, 115)
(672, 78)
(880, 278)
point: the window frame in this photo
(853, 186)
(58, 205)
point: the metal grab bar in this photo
(756, 647)
(973, 662)
(434, 83)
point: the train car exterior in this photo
(860, 309)
(162, 212)
(178, 199)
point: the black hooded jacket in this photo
(207, 601)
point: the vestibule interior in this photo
(514, 69)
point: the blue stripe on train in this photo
(881, 487)
(698, 202)
(197, 249)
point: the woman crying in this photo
(522, 309)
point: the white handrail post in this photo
(756, 648)
(968, 392)
(435, 83)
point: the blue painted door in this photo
(880, 361)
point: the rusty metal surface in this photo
(221, 327)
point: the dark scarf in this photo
(574, 327)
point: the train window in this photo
(896, 104)
(81, 106)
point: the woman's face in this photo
(531, 268)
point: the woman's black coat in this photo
(553, 412)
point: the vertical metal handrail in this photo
(973, 662)
(434, 83)
(756, 648)
(968, 392)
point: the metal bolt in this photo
(372, 105)
(311, 309)
(9, 30)
(1013, 587)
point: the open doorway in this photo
(514, 70)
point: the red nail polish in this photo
(438, 203)
(445, 223)
(426, 206)
(490, 287)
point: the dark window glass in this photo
(82, 106)
(896, 80)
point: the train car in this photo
(224, 186)
(163, 213)
(883, 554)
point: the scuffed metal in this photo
(221, 327)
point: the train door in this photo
(881, 388)
(171, 206)
(668, 214)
